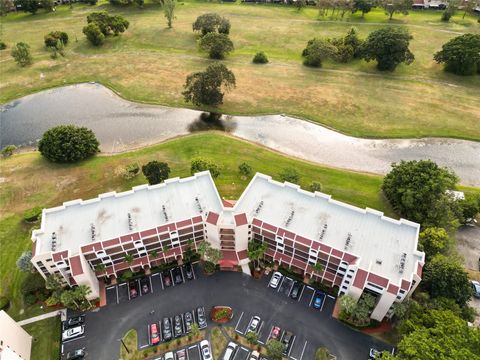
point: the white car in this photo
(205, 349)
(275, 280)
(73, 332)
(169, 356)
(230, 352)
(476, 288)
(254, 355)
(254, 324)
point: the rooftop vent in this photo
(54, 241)
(378, 261)
(164, 211)
(199, 206)
(348, 241)
(322, 232)
(290, 218)
(92, 231)
(259, 207)
(130, 222)
(403, 260)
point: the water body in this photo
(121, 125)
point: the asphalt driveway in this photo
(248, 297)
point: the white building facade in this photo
(15, 343)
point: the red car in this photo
(275, 335)
(154, 335)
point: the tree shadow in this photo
(212, 121)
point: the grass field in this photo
(29, 180)
(46, 338)
(149, 63)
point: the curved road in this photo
(121, 125)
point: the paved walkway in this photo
(62, 313)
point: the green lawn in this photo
(149, 63)
(46, 338)
(31, 181)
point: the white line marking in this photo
(304, 346)
(156, 274)
(260, 328)
(245, 349)
(192, 347)
(139, 287)
(291, 287)
(331, 297)
(77, 338)
(118, 301)
(311, 300)
(128, 293)
(280, 285)
(323, 303)
(193, 272)
(270, 333)
(143, 346)
(161, 282)
(61, 351)
(122, 284)
(294, 358)
(181, 273)
(199, 353)
(110, 287)
(311, 288)
(171, 277)
(238, 322)
(151, 285)
(301, 293)
(291, 346)
(261, 342)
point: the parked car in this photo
(181, 354)
(188, 271)
(476, 288)
(73, 332)
(178, 326)
(296, 290)
(275, 280)
(154, 334)
(177, 276)
(230, 351)
(318, 299)
(144, 285)
(254, 324)
(166, 329)
(287, 340)
(373, 353)
(133, 289)
(167, 281)
(275, 334)
(202, 320)
(205, 349)
(188, 318)
(73, 322)
(254, 355)
(169, 356)
(75, 354)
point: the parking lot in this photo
(311, 328)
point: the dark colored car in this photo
(296, 290)
(202, 320)
(188, 271)
(133, 289)
(177, 326)
(73, 321)
(287, 340)
(188, 318)
(177, 276)
(167, 281)
(154, 334)
(75, 354)
(144, 285)
(167, 329)
(318, 299)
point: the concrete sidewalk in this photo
(61, 312)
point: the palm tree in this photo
(256, 250)
(129, 259)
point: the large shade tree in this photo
(461, 55)
(211, 22)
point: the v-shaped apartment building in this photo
(361, 250)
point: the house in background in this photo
(15, 343)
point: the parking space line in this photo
(291, 287)
(331, 297)
(291, 346)
(110, 287)
(311, 288)
(323, 303)
(161, 282)
(301, 293)
(199, 353)
(293, 358)
(77, 338)
(139, 287)
(304, 346)
(192, 347)
(128, 291)
(171, 277)
(260, 328)
(181, 273)
(310, 305)
(238, 322)
(143, 346)
(188, 356)
(193, 272)
(280, 285)
(149, 336)
(118, 301)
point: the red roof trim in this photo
(419, 269)
(87, 248)
(184, 223)
(337, 253)
(197, 219)
(162, 229)
(325, 248)
(148, 233)
(212, 218)
(360, 278)
(303, 240)
(377, 280)
(405, 285)
(257, 222)
(269, 227)
(76, 265)
(241, 219)
(242, 255)
(392, 289)
(112, 242)
(349, 258)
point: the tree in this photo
(211, 22)
(217, 45)
(52, 38)
(8, 150)
(317, 51)
(128, 259)
(107, 24)
(468, 7)
(446, 277)
(47, 5)
(245, 169)
(208, 87)
(68, 144)
(156, 172)
(433, 241)
(54, 283)
(275, 349)
(470, 207)
(169, 11)
(290, 175)
(417, 191)
(363, 5)
(6, 6)
(389, 47)
(450, 10)
(21, 54)
(315, 186)
(347, 305)
(461, 55)
(199, 164)
(256, 251)
(300, 4)
(24, 262)
(28, 6)
(252, 338)
(396, 7)
(195, 330)
(260, 58)
(93, 34)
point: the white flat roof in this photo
(72, 221)
(374, 237)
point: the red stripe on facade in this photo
(98, 246)
(377, 280)
(289, 234)
(76, 265)
(349, 258)
(280, 232)
(136, 236)
(338, 281)
(303, 240)
(360, 279)
(162, 229)
(419, 270)
(34, 247)
(87, 248)
(328, 275)
(111, 242)
(392, 289)
(121, 266)
(270, 252)
(148, 233)
(315, 245)
(299, 264)
(197, 219)
(60, 255)
(242, 255)
(269, 227)
(256, 222)
(325, 248)
(184, 223)
(337, 253)
(241, 219)
(405, 285)
(126, 238)
(212, 218)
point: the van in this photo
(230, 351)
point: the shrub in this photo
(108, 24)
(211, 22)
(317, 51)
(32, 284)
(200, 164)
(3, 46)
(322, 354)
(52, 38)
(21, 54)
(461, 55)
(93, 34)
(315, 186)
(131, 170)
(68, 144)
(24, 262)
(156, 172)
(32, 215)
(260, 58)
(4, 303)
(217, 45)
(245, 169)
(290, 175)
(8, 150)
(29, 299)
